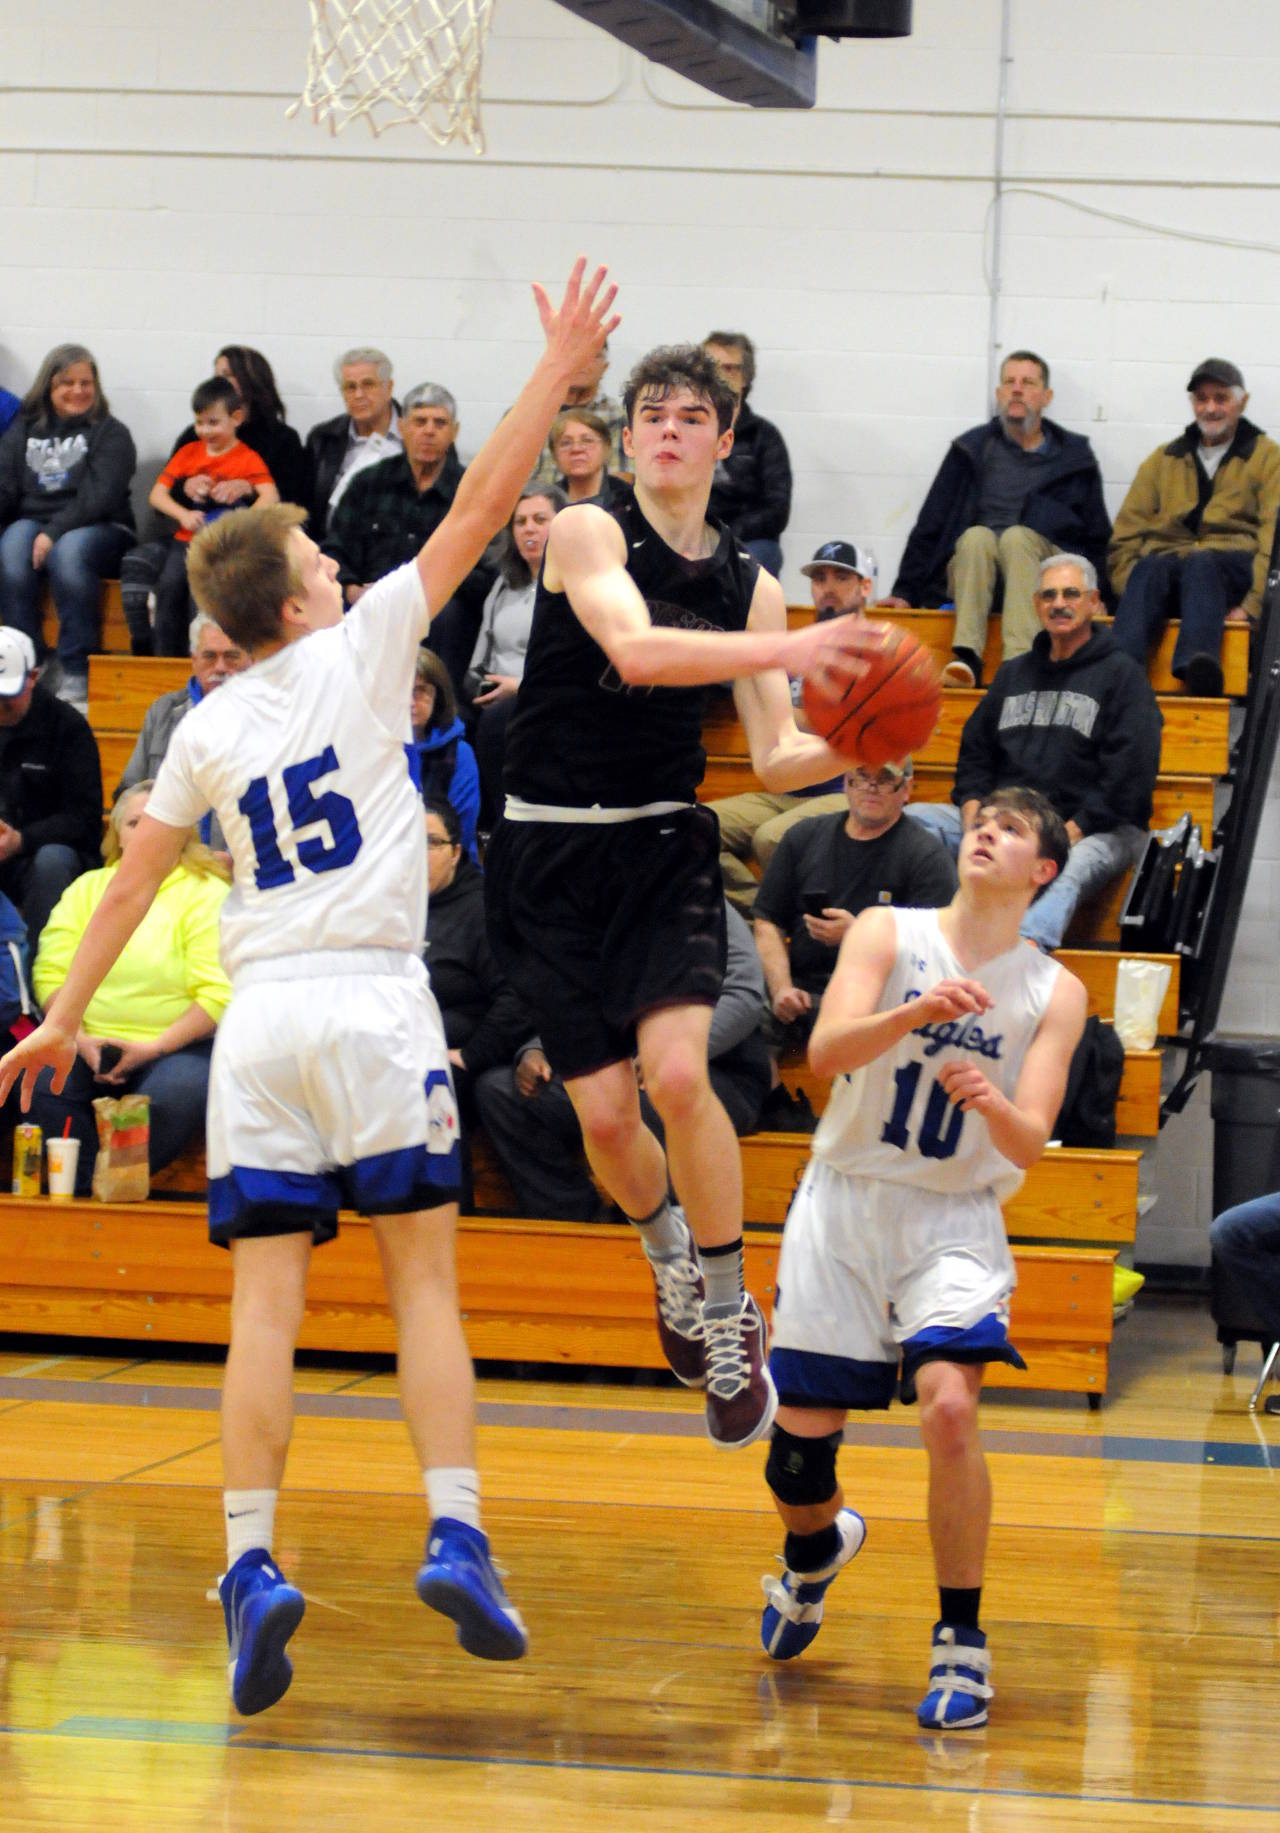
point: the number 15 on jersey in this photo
(306, 809)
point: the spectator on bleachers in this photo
(444, 761)
(579, 443)
(1076, 719)
(265, 426)
(825, 873)
(841, 580)
(391, 508)
(50, 787)
(530, 1121)
(214, 659)
(9, 405)
(157, 1008)
(366, 432)
(218, 474)
(752, 489)
(66, 464)
(587, 392)
(1193, 537)
(497, 662)
(1008, 493)
(484, 1019)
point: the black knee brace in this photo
(802, 1471)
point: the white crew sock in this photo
(454, 1491)
(250, 1516)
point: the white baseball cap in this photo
(17, 659)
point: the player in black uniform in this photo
(603, 885)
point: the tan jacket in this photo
(1162, 511)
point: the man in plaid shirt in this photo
(389, 510)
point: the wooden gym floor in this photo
(1132, 1606)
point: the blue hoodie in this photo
(459, 784)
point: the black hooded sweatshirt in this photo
(1084, 732)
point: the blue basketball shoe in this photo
(262, 1612)
(458, 1579)
(793, 1614)
(958, 1680)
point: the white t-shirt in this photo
(892, 1119)
(1212, 456)
(302, 759)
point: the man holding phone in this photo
(828, 869)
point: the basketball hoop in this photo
(396, 61)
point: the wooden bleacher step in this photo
(935, 630)
(1194, 741)
(555, 1292)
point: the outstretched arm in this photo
(153, 852)
(1020, 1128)
(491, 485)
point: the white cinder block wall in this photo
(155, 203)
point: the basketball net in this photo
(396, 61)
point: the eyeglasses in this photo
(1070, 595)
(436, 840)
(888, 778)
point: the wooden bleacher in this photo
(566, 1293)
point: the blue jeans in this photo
(1200, 585)
(1091, 865)
(1247, 1240)
(76, 566)
(178, 1085)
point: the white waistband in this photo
(327, 964)
(517, 809)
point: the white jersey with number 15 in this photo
(302, 758)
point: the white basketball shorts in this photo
(872, 1271)
(329, 1086)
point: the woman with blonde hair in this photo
(149, 1028)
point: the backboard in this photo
(737, 48)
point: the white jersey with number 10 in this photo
(892, 1119)
(303, 760)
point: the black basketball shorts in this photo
(598, 925)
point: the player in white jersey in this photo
(949, 1039)
(330, 1078)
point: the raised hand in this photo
(951, 999)
(578, 330)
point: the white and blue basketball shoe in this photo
(959, 1684)
(793, 1610)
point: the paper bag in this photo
(122, 1173)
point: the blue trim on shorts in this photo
(985, 1341)
(807, 1378)
(395, 1183)
(249, 1201)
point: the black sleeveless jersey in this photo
(579, 736)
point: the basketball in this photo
(882, 715)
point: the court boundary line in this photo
(92, 1730)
